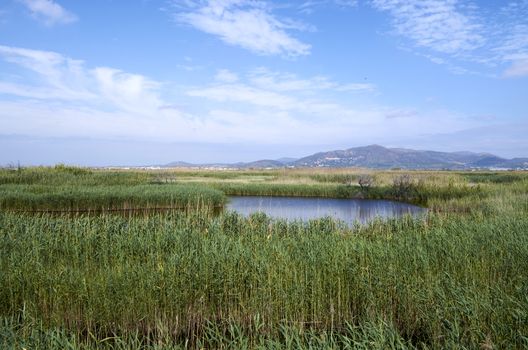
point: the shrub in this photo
(365, 182)
(403, 187)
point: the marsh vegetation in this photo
(195, 279)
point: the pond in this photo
(347, 210)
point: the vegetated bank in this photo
(80, 190)
(195, 280)
(70, 188)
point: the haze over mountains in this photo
(379, 157)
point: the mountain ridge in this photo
(380, 157)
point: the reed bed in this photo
(194, 279)
(420, 193)
(172, 278)
(283, 190)
(63, 175)
(35, 198)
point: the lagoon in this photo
(347, 210)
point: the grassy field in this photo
(70, 189)
(194, 279)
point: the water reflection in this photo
(347, 210)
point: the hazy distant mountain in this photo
(265, 163)
(378, 157)
(286, 160)
(261, 164)
(178, 165)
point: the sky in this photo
(142, 82)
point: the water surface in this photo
(347, 210)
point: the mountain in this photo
(260, 164)
(379, 157)
(286, 160)
(178, 165)
(515, 163)
(264, 163)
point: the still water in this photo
(347, 210)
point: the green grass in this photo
(77, 189)
(420, 194)
(282, 190)
(498, 178)
(458, 279)
(373, 335)
(436, 283)
(61, 176)
(101, 198)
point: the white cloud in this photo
(50, 95)
(440, 25)
(128, 92)
(246, 94)
(49, 11)
(279, 91)
(518, 69)
(346, 3)
(511, 35)
(226, 76)
(277, 81)
(513, 49)
(61, 78)
(57, 76)
(249, 24)
(286, 108)
(309, 6)
(462, 33)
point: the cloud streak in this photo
(63, 97)
(518, 69)
(455, 32)
(244, 23)
(439, 25)
(279, 91)
(310, 6)
(49, 12)
(276, 81)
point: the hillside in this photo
(379, 157)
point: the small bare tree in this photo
(403, 186)
(365, 182)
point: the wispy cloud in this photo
(278, 81)
(455, 32)
(513, 46)
(61, 78)
(310, 6)
(226, 76)
(278, 90)
(248, 24)
(128, 92)
(51, 95)
(441, 25)
(49, 12)
(56, 76)
(518, 69)
(286, 108)
(58, 95)
(246, 94)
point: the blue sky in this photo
(115, 82)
